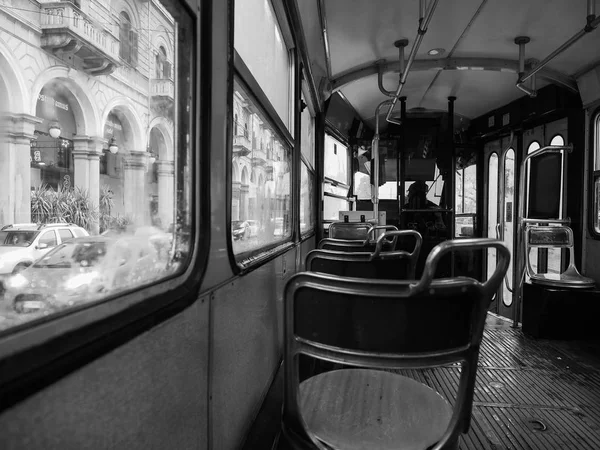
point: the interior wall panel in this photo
(246, 337)
(147, 394)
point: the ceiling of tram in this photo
(359, 33)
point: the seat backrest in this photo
(391, 324)
(356, 245)
(380, 264)
(349, 230)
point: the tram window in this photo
(535, 145)
(307, 204)
(557, 140)
(362, 188)
(261, 177)
(332, 206)
(107, 207)
(596, 175)
(308, 134)
(336, 160)
(466, 201)
(266, 53)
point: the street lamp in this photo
(112, 146)
(54, 129)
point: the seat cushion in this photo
(366, 409)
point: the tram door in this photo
(553, 133)
(499, 177)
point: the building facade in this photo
(86, 100)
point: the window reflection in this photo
(261, 171)
(307, 181)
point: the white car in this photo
(23, 244)
(80, 271)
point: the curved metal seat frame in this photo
(341, 244)
(413, 294)
(556, 233)
(377, 254)
(557, 236)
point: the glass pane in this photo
(492, 209)
(307, 204)
(335, 190)
(260, 200)
(332, 206)
(596, 211)
(308, 135)
(509, 215)
(99, 132)
(533, 147)
(554, 254)
(259, 42)
(336, 160)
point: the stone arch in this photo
(161, 40)
(84, 110)
(131, 9)
(12, 82)
(245, 175)
(235, 173)
(124, 108)
(166, 152)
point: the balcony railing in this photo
(66, 29)
(162, 88)
(241, 145)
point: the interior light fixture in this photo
(54, 129)
(436, 51)
(112, 146)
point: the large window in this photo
(336, 183)
(307, 175)
(466, 201)
(81, 190)
(261, 166)
(260, 43)
(128, 40)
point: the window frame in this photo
(249, 260)
(594, 146)
(36, 354)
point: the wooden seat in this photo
(360, 245)
(394, 264)
(418, 324)
(327, 402)
(554, 236)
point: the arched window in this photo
(128, 48)
(163, 67)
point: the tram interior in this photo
(448, 144)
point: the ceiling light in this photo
(436, 52)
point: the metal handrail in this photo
(423, 23)
(592, 23)
(520, 256)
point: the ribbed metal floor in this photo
(530, 394)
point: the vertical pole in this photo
(401, 166)
(451, 197)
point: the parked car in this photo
(240, 229)
(82, 270)
(254, 228)
(22, 244)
